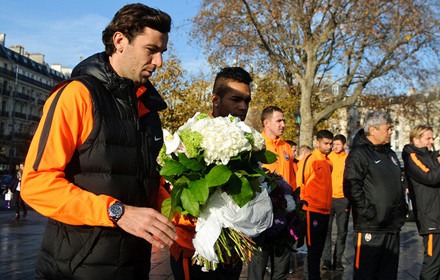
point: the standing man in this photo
(16, 190)
(315, 179)
(372, 184)
(274, 123)
(231, 95)
(422, 169)
(294, 147)
(91, 165)
(340, 207)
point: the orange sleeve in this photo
(44, 185)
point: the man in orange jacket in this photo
(340, 207)
(316, 191)
(231, 95)
(274, 122)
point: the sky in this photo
(66, 31)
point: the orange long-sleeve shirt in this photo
(317, 186)
(46, 189)
(284, 165)
(338, 161)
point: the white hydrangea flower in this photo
(258, 140)
(222, 139)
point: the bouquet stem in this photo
(231, 246)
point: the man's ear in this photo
(372, 130)
(265, 122)
(119, 40)
(215, 99)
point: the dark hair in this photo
(227, 74)
(268, 112)
(291, 143)
(131, 20)
(341, 138)
(324, 134)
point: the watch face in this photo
(116, 211)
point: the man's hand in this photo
(148, 224)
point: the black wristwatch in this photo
(115, 211)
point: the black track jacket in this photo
(422, 171)
(372, 184)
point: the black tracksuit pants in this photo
(431, 260)
(376, 256)
(341, 211)
(316, 232)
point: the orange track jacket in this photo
(284, 165)
(46, 189)
(338, 161)
(317, 186)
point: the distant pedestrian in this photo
(422, 170)
(8, 198)
(16, 189)
(372, 184)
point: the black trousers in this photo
(19, 203)
(279, 256)
(431, 260)
(341, 211)
(223, 272)
(376, 256)
(316, 233)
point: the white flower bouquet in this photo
(214, 166)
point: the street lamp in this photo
(297, 116)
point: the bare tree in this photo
(184, 97)
(349, 42)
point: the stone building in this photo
(25, 83)
(406, 111)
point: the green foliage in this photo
(193, 181)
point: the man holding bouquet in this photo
(273, 122)
(231, 95)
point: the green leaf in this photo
(200, 190)
(166, 208)
(190, 163)
(265, 156)
(176, 194)
(181, 182)
(244, 195)
(172, 168)
(189, 203)
(218, 175)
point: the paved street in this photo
(20, 242)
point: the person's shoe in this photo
(339, 266)
(326, 265)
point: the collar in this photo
(270, 140)
(317, 153)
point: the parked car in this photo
(5, 182)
